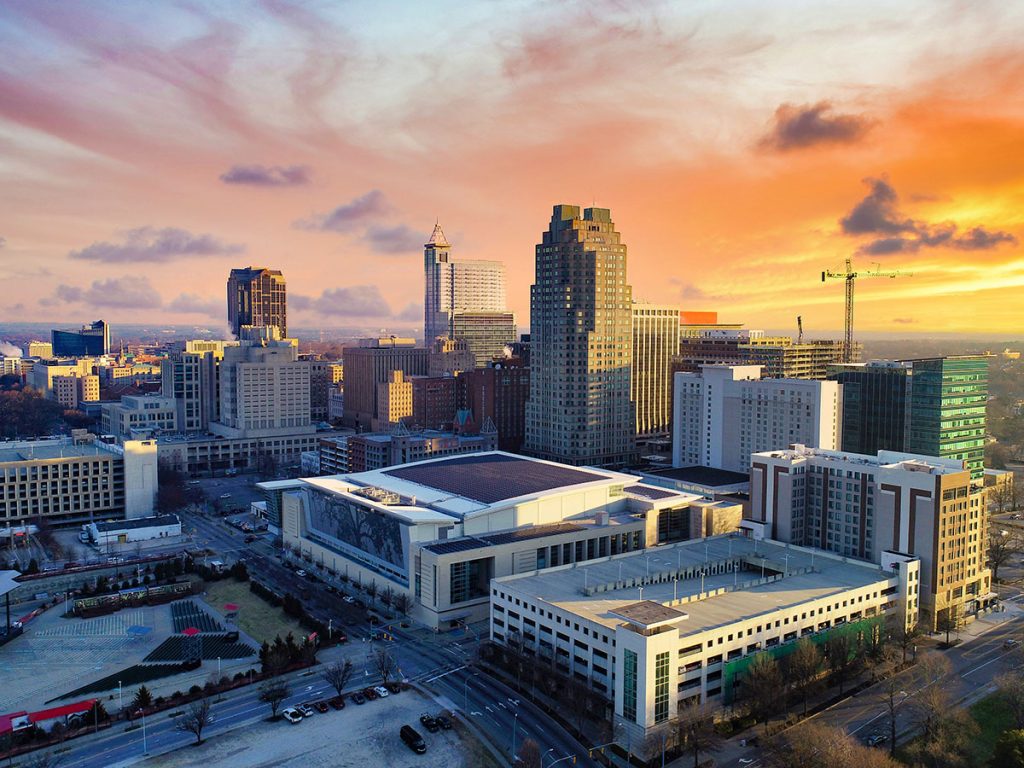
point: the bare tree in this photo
(1003, 548)
(274, 692)
(840, 654)
(933, 701)
(949, 621)
(196, 718)
(894, 698)
(42, 760)
(815, 745)
(385, 664)
(371, 589)
(529, 755)
(695, 731)
(804, 668)
(1010, 688)
(402, 603)
(763, 687)
(338, 674)
(905, 636)
(949, 744)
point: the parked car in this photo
(348, 599)
(370, 693)
(338, 702)
(412, 739)
(429, 723)
(443, 722)
(225, 495)
(292, 715)
(321, 706)
(300, 573)
(394, 687)
(381, 691)
(1010, 643)
(358, 698)
(876, 739)
(306, 710)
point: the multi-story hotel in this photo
(68, 482)
(725, 413)
(868, 507)
(456, 286)
(655, 343)
(257, 296)
(581, 333)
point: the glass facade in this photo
(661, 687)
(629, 685)
(471, 579)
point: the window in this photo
(661, 687)
(629, 685)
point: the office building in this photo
(256, 296)
(434, 402)
(655, 343)
(89, 340)
(376, 450)
(191, 377)
(394, 401)
(867, 507)
(780, 356)
(73, 390)
(487, 334)
(449, 357)
(69, 382)
(336, 402)
(202, 455)
(931, 406)
(264, 391)
(76, 481)
(439, 530)
(370, 364)
(581, 330)
(324, 376)
(498, 393)
(42, 349)
(140, 417)
(452, 286)
(657, 630)
(727, 412)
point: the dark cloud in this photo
(412, 312)
(354, 301)
(192, 303)
(298, 301)
(267, 175)
(127, 292)
(149, 244)
(398, 240)
(798, 127)
(878, 214)
(346, 217)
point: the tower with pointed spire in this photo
(464, 298)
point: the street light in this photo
(545, 755)
(120, 702)
(145, 745)
(515, 728)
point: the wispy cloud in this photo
(353, 301)
(191, 303)
(808, 125)
(267, 175)
(394, 241)
(348, 216)
(128, 292)
(149, 244)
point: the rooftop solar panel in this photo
(490, 478)
(650, 493)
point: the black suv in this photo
(429, 723)
(412, 739)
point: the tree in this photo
(338, 674)
(385, 664)
(948, 621)
(695, 731)
(1010, 688)
(371, 589)
(1002, 550)
(905, 636)
(764, 687)
(840, 655)
(893, 697)
(933, 701)
(950, 744)
(402, 603)
(1009, 750)
(196, 718)
(27, 413)
(273, 692)
(143, 699)
(816, 745)
(42, 760)
(804, 667)
(170, 492)
(529, 754)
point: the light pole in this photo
(330, 632)
(545, 755)
(465, 692)
(218, 669)
(145, 745)
(515, 728)
(120, 701)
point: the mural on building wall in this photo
(357, 526)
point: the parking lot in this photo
(355, 737)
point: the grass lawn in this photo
(992, 718)
(257, 618)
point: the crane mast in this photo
(851, 277)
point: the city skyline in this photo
(742, 173)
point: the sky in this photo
(742, 147)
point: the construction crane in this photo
(850, 277)
(800, 328)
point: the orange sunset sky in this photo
(742, 147)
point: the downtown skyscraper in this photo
(581, 342)
(256, 296)
(464, 299)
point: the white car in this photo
(300, 573)
(292, 715)
(348, 599)
(381, 691)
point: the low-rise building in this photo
(656, 630)
(66, 483)
(199, 455)
(140, 416)
(140, 529)
(440, 530)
